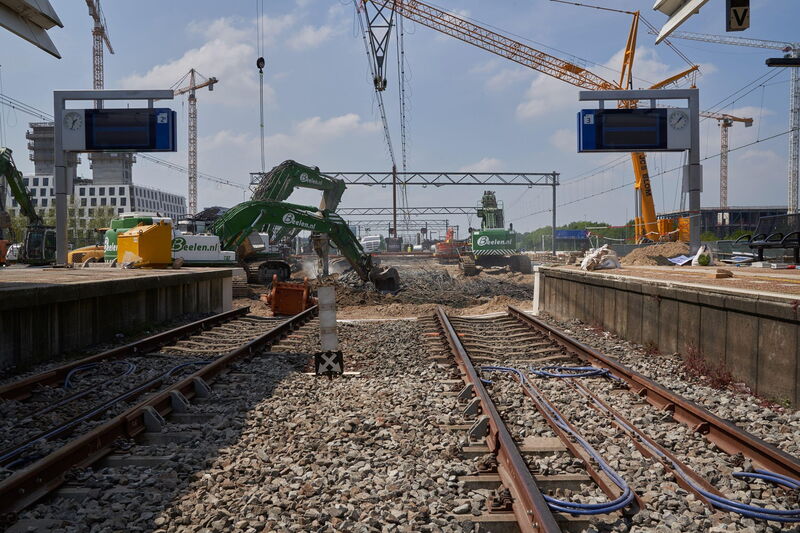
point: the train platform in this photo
(47, 312)
(747, 324)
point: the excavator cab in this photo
(39, 246)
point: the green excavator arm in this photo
(39, 243)
(280, 182)
(8, 170)
(235, 225)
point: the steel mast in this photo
(190, 87)
(791, 50)
(99, 36)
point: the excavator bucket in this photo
(289, 298)
(385, 280)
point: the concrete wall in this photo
(754, 335)
(41, 321)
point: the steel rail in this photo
(19, 390)
(29, 485)
(529, 507)
(727, 436)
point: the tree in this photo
(708, 236)
(533, 240)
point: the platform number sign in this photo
(738, 15)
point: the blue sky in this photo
(467, 109)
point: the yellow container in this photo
(146, 246)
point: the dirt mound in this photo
(431, 286)
(401, 310)
(655, 254)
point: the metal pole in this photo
(555, 183)
(794, 136)
(60, 172)
(695, 171)
(394, 199)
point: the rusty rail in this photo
(725, 435)
(530, 509)
(19, 390)
(29, 485)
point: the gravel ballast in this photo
(287, 451)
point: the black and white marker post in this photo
(328, 362)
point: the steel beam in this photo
(404, 211)
(440, 179)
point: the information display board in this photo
(119, 130)
(633, 130)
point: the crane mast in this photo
(791, 50)
(99, 38)
(193, 81)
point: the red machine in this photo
(447, 251)
(288, 297)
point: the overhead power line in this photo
(628, 184)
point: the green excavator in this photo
(235, 226)
(39, 242)
(280, 182)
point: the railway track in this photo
(73, 415)
(565, 433)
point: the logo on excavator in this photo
(179, 244)
(290, 220)
(305, 178)
(484, 240)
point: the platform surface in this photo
(745, 280)
(25, 286)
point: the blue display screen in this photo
(142, 130)
(632, 128)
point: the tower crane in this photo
(791, 50)
(725, 121)
(192, 81)
(647, 225)
(101, 40)
(99, 37)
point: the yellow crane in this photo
(647, 225)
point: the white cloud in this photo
(304, 140)
(547, 94)
(487, 164)
(507, 77)
(227, 55)
(564, 140)
(310, 37)
(485, 67)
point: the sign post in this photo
(98, 134)
(738, 15)
(645, 130)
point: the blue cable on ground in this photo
(130, 368)
(570, 372)
(572, 507)
(749, 511)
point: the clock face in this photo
(73, 121)
(678, 120)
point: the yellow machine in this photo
(146, 246)
(92, 254)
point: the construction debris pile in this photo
(434, 286)
(655, 254)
